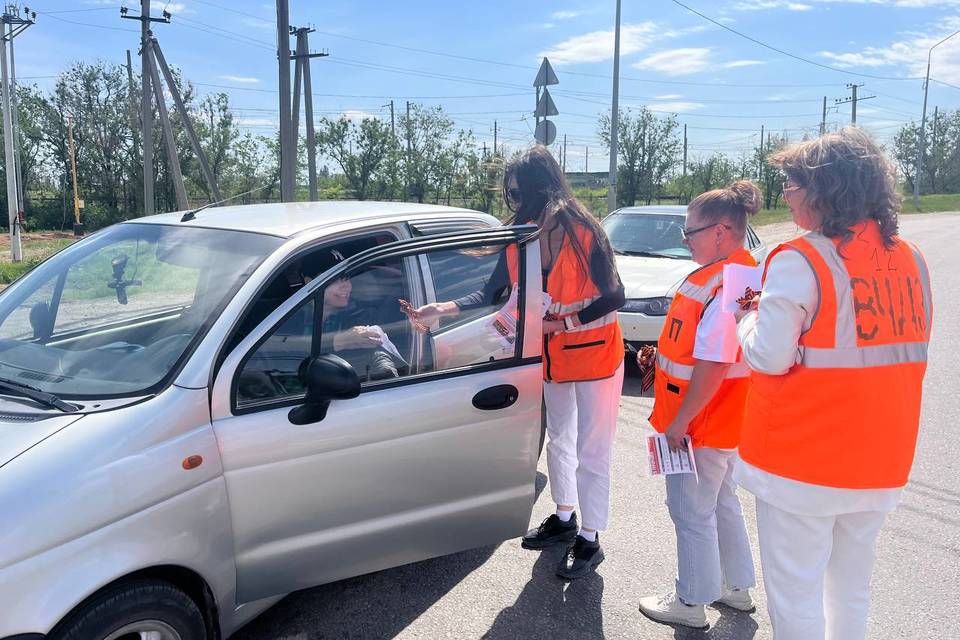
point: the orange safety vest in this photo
(847, 414)
(591, 351)
(718, 424)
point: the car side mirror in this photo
(327, 378)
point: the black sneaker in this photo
(551, 531)
(580, 559)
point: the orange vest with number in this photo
(847, 414)
(718, 424)
(592, 351)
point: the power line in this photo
(85, 24)
(787, 53)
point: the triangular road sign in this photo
(545, 107)
(545, 76)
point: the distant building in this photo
(592, 180)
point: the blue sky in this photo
(723, 86)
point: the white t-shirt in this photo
(716, 339)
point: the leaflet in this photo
(664, 461)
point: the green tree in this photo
(648, 148)
(359, 150)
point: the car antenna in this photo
(192, 214)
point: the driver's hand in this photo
(357, 338)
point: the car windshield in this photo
(115, 314)
(647, 234)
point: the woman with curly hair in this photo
(838, 349)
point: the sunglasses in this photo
(686, 233)
(514, 194)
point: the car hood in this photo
(652, 277)
(19, 431)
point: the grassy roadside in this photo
(928, 204)
(38, 245)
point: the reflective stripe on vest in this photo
(855, 392)
(591, 351)
(718, 424)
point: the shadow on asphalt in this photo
(552, 608)
(377, 605)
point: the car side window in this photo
(365, 317)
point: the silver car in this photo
(202, 412)
(653, 262)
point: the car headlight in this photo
(648, 306)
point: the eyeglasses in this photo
(514, 194)
(686, 233)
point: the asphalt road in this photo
(505, 592)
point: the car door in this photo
(435, 458)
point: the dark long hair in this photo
(544, 191)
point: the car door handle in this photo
(498, 397)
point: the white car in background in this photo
(653, 261)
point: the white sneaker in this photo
(738, 599)
(670, 610)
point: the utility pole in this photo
(393, 128)
(853, 99)
(157, 55)
(923, 124)
(13, 25)
(302, 75)
(684, 149)
(614, 113)
(176, 175)
(760, 159)
(288, 158)
(494, 137)
(146, 111)
(135, 125)
(77, 226)
(823, 118)
(408, 129)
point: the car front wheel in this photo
(136, 610)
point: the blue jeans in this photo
(713, 551)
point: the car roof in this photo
(680, 210)
(286, 219)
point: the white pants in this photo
(713, 550)
(581, 423)
(816, 570)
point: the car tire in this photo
(132, 608)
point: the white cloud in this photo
(259, 24)
(565, 15)
(736, 64)
(909, 54)
(669, 96)
(256, 122)
(240, 79)
(597, 46)
(676, 62)
(759, 5)
(357, 115)
(675, 107)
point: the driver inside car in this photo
(345, 333)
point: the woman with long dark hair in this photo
(582, 353)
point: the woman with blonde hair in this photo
(838, 349)
(700, 388)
